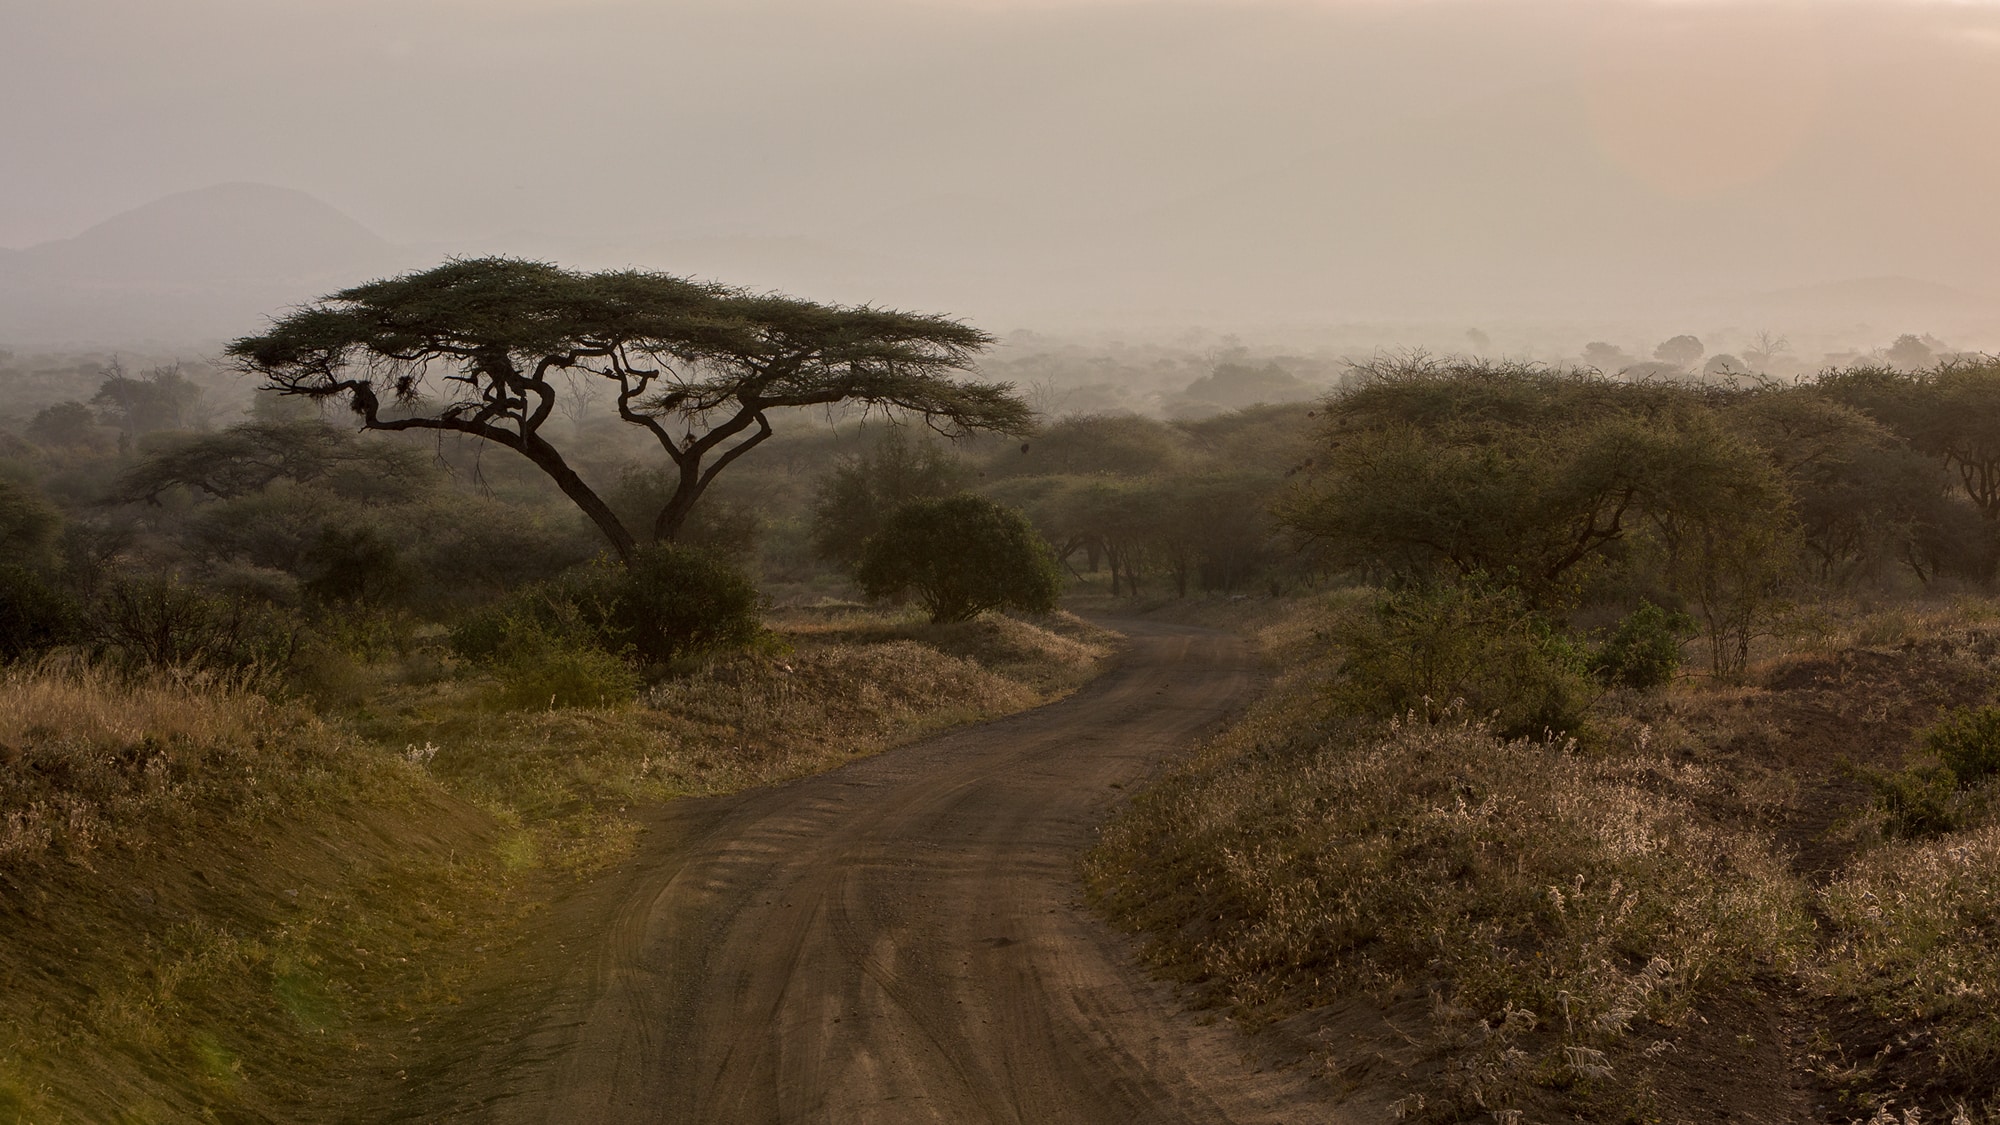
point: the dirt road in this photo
(901, 940)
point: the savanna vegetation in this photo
(305, 712)
(1493, 848)
(1634, 729)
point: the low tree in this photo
(65, 425)
(485, 347)
(35, 615)
(1525, 475)
(1722, 365)
(855, 500)
(29, 524)
(960, 556)
(1950, 412)
(162, 399)
(1728, 537)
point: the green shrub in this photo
(1421, 650)
(1967, 742)
(671, 602)
(538, 669)
(668, 603)
(1645, 650)
(961, 555)
(1917, 803)
(34, 616)
(1933, 798)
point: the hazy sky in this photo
(1265, 148)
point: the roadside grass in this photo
(215, 905)
(839, 684)
(1698, 905)
(1552, 903)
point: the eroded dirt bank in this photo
(898, 940)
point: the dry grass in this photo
(1552, 903)
(1697, 902)
(850, 683)
(93, 758)
(1915, 939)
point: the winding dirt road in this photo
(901, 940)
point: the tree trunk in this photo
(674, 516)
(551, 462)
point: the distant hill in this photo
(198, 265)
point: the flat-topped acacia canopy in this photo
(471, 346)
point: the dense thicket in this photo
(1721, 497)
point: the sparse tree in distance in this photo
(164, 399)
(1682, 351)
(1910, 353)
(1765, 349)
(478, 347)
(1608, 358)
(960, 556)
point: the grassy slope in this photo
(214, 907)
(1694, 909)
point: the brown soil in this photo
(901, 939)
(1859, 707)
(1791, 749)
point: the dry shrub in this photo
(839, 685)
(1055, 652)
(91, 757)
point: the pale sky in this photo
(1177, 152)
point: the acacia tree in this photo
(1518, 473)
(483, 347)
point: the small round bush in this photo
(1645, 650)
(672, 601)
(960, 556)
